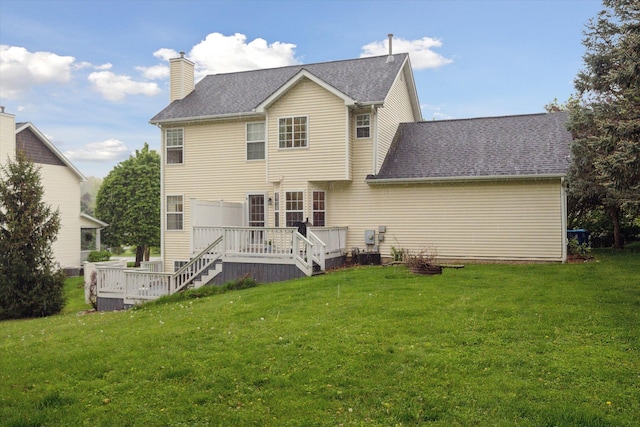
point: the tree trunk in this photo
(140, 250)
(618, 241)
(147, 252)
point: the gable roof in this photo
(23, 126)
(535, 145)
(363, 80)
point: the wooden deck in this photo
(222, 254)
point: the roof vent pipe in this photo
(390, 57)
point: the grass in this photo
(498, 345)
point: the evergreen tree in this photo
(604, 117)
(129, 201)
(30, 283)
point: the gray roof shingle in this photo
(524, 145)
(365, 80)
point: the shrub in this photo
(579, 250)
(98, 256)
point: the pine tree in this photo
(30, 283)
(604, 116)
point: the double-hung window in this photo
(294, 208)
(363, 126)
(175, 211)
(255, 141)
(292, 132)
(174, 143)
(319, 210)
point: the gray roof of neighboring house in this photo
(367, 80)
(525, 145)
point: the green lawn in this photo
(497, 345)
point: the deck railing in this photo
(240, 244)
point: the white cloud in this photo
(157, 72)
(420, 51)
(218, 53)
(21, 69)
(434, 111)
(111, 149)
(165, 54)
(115, 87)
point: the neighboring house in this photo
(61, 182)
(342, 144)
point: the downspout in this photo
(348, 140)
(374, 125)
(563, 200)
(162, 201)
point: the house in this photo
(282, 172)
(342, 144)
(61, 182)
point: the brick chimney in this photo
(182, 77)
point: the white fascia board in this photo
(411, 84)
(293, 81)
(448, 179)
(53, 148)
(196, 119)
(95, 220)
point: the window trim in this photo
(174, 147)
(286, 208)
(323, 210)
(293, 147)
(167, 213)
(178, 264)
(368, 127)
(276, 209)
(263, 141)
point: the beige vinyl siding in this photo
(397, 109)
(486, 221)
(214, 168)
(324, 157)
(182, 78)
(62, 191)
(7, 138)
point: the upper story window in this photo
(174, 143)
(292, 132)
(363, 126)
(175, 210)
(255, 141)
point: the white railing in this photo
(334, 238)
(154, 266)
(241, 244)
(187, 273)
(318, 249)
(303, 250)
(142, 284)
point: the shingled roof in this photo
(510, 146)
(365, 80)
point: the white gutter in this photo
(445, 179)
(563, 202)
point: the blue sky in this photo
(90, 74)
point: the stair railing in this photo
(190, 271)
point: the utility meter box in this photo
(369, 237)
